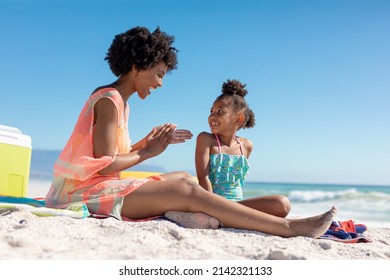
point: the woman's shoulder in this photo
(105, 99)
(105, 91)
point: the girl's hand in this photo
(180, 136)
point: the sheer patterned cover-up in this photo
(76, 177)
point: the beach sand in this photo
(24, 235)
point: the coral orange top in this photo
(76, 177)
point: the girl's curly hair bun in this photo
(232, 87)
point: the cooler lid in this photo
(13, 136)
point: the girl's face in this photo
(222, 118)
(150, 79)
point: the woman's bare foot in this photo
(313, 226)
(192, 220)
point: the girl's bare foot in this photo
(192, 220)
(313, 226)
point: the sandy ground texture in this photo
(26, 236)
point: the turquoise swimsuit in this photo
(227, 173)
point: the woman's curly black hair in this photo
(141, 49)
(236, 91)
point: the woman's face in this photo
(150, 79)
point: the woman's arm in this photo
(202, 156)
(104, 139)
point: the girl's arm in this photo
(248, 146)
(202, 155)
(104, 139)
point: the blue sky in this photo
(317, 73)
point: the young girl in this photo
(222, 157)
(88, 168)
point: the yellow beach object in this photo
(143, 174)
(138, 174)
(15, 157)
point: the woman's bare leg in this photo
(277, 205)
(197, 220)
(178, 176)
(158, 197)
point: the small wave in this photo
(348, 194)
(40, 175)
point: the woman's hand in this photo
(158, 139)
(150, 146)
(177, 136)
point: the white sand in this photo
(26, 236)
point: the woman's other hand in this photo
(159, 139)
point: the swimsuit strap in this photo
(219, 144)
(239, 142)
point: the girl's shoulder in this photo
(205, 138)
(245, 141)
(247, 144)
(206, 142)
(205, 134)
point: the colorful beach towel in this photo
(37, 207)
(346, 232)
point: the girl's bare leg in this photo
(158, 197)
(277, 205)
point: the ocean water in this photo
(369, 205)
